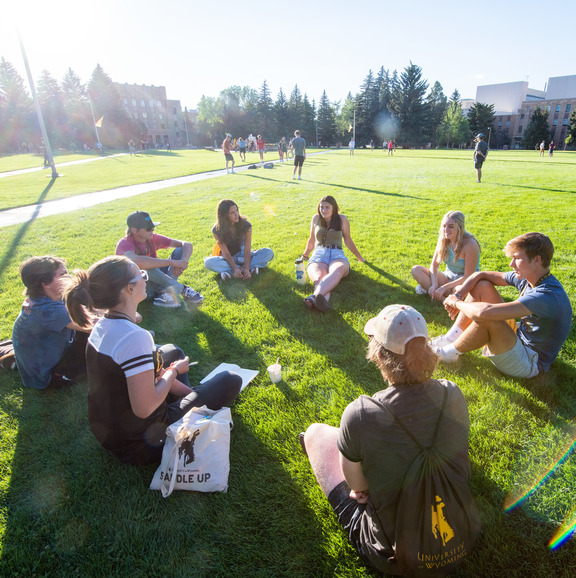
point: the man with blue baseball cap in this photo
(140, 245)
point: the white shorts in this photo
(520, 361)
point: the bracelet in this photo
(171, 366)
(305, 257)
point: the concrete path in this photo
(37, 211)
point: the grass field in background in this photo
(103, 173)
(66, 508)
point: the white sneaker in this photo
(166, 300)
(254, 271)
(445, 357)
(293, 177)
(225, 276)
(233, 171)
(193, 296)
(299, 178)
(440, 341)
(420, 290)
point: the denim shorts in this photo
(452, 275)
(327, 256)
(520, 361)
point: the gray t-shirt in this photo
(369, 434)
(299, 145)
(546, 330)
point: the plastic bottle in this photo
(300, 271)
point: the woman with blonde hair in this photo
(458, 249)
(134, 392)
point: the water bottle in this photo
(300, 271)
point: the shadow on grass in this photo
(374, 191)
(72, 509)
(522, 186)
(10, 250)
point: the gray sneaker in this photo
(166, 300)
(254, 271)
(192, 296)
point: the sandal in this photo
(310, 301)
(322, 303)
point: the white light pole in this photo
(47, 148)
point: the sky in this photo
(196, 48)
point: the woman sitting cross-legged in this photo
(328, 264)
(233, 234)
(129, 387)
(456, 247)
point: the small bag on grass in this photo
(7, 357)
(196, 455)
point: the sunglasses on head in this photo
(142, 275)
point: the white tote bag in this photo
(196, 455)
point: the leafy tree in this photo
(345, 120)
(537, 129)
(438, 107)
(454, 129)
(481, 119)
(209, 119)
(409, 106)
(17, 113)
(570, 139)
(51, 99)
(326, 121)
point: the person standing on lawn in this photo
(298, 145)
(480, 154)
(141, 244)
(482, 316)
(228, 153)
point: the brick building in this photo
(162, 117)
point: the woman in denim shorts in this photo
(328, 264)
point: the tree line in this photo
(388, 106)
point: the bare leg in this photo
(337, 270)
(321, 445)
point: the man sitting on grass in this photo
(49, 347)
(543, 308)
(140, 245)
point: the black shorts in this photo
(298, 161)
(478, 163)
(228, 157)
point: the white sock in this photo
(448, 349)
(454, 333)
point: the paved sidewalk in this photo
(30, 212)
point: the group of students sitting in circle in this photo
(89, 322)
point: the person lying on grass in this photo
(48, 345)
(482, 315)
(233, 234)
(456, 247)
(134, 392)
(328, 264)
(361, 466)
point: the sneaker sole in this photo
(167, 306)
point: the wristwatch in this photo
(458, 296)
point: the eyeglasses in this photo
(143, 275)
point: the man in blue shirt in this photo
(46, 345)
(482, 316)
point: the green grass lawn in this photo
(103, 173)
(66, 508)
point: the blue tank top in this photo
(457, 265)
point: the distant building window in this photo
(162, 126)
(548, 108)
(151, 103)
(557, 108)
(134, 102)
(159, 104)
(520, 130)
(160, 116)
(522, 116)
(144, 115)
(565, 122)
(568, 107)
(175, 125)
(142, 103)
(555, 122)
(507, 124)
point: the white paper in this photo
(247, 375)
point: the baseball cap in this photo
(140, 220)
(395, 326)
(480, 135)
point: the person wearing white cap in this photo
(361, 465)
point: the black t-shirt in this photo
(233, 239)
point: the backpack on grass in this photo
(437, 521)
(7, 357)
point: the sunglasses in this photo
(143, 275)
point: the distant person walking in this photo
(551, 148)
(227, 153)
(390, 147)
(480, 153)
(542, 147)
(261, 145)
(351, 145)
(299, 148)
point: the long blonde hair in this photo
(443, 245)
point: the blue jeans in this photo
(259, 258)
(162, 279)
